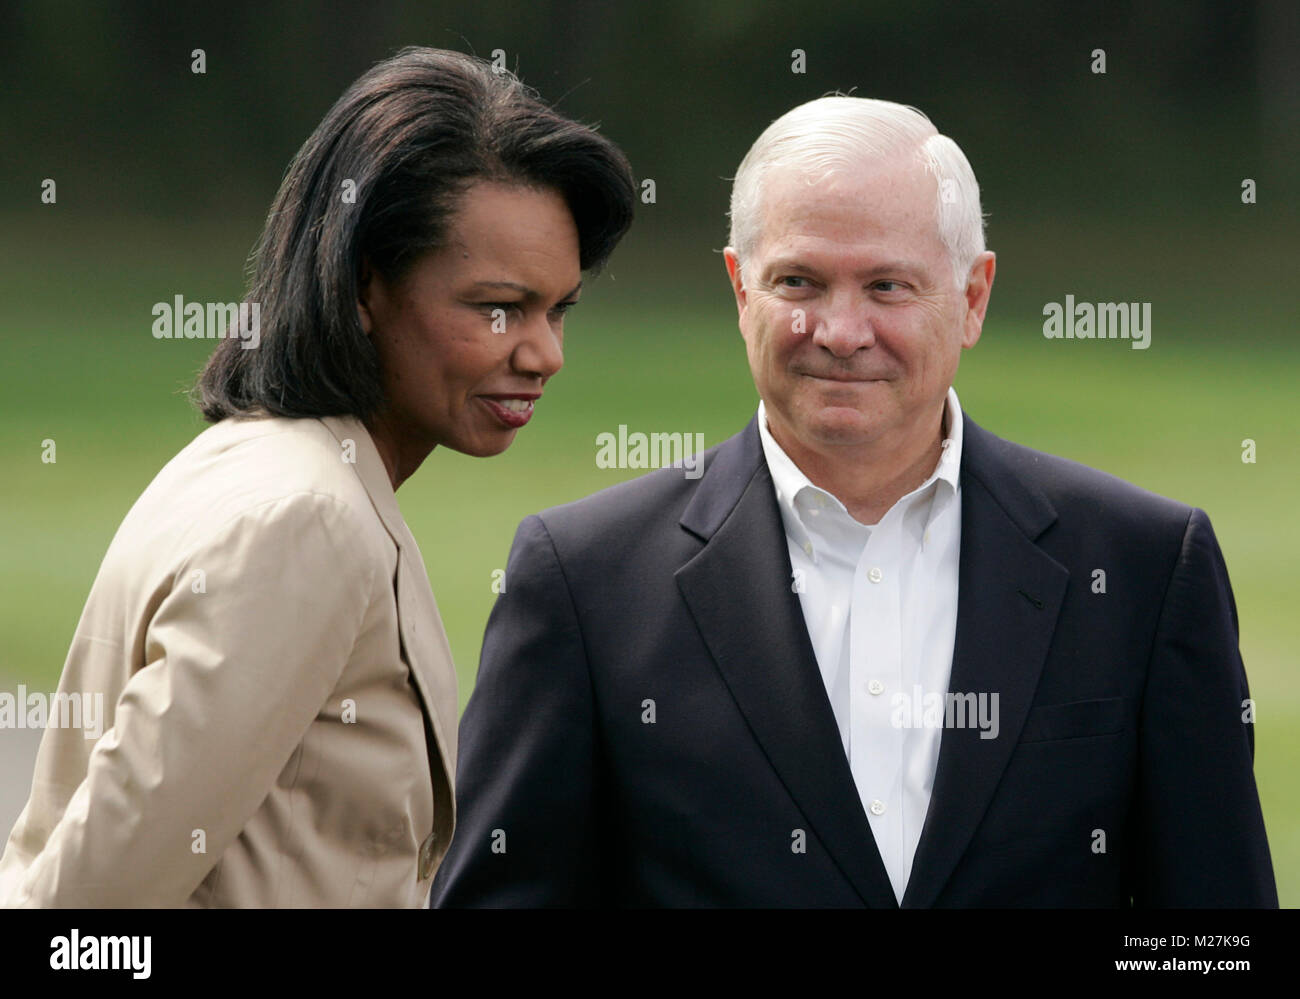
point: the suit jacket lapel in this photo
(1009, 596)
(738, 589)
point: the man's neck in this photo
(870, 479)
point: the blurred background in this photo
(1125, 185)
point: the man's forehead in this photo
(882, 202)
(887, 181)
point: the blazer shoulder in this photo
(1074, 489)
(239, 468)
(641, 506)
(270, 456)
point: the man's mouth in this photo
(848, 379)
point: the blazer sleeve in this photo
(1200, 831)
(526, 772)
(239, 661)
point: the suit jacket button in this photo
(426, 857)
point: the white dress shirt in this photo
(880, 603)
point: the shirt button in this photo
(875, 575)
(876, 687)
(877, 807)
(426, 856)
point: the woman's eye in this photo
(563, 308)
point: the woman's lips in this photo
(512, 411)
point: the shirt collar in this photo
(789, 481)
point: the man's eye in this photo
(789, 279)
(888, 286)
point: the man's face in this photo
(850, 314)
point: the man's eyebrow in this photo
(801, 265)
(787, 264)
(523, 289)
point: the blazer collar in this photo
(423, 637)
(738, 590)
(727, 474)
(371, 471)
(1010, 593)
(1006, 474)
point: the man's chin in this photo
(816, 425)
(842, 426)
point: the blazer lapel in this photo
(423, 637)
(1009, 596)
(738, 589)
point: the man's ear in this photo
(733, 274)
(979, 286)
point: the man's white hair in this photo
(840, 133)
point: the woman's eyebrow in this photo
(522, 288)
(512, 285)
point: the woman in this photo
(280, 697)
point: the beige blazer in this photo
(279, 695)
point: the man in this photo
(864, 659)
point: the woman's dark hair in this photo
(412, 134)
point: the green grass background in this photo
(79, 366)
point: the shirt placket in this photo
(875, 649)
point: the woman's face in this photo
(469, 336)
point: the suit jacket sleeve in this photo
(526, 775)
(1200, 831)
(239, 662)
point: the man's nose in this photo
(843, 326)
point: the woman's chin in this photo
(485, 445)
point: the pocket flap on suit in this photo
(1076, 720)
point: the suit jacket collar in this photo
(738, 590)
(1009, 597)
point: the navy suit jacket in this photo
(1121, 775)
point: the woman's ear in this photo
(365, 297)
